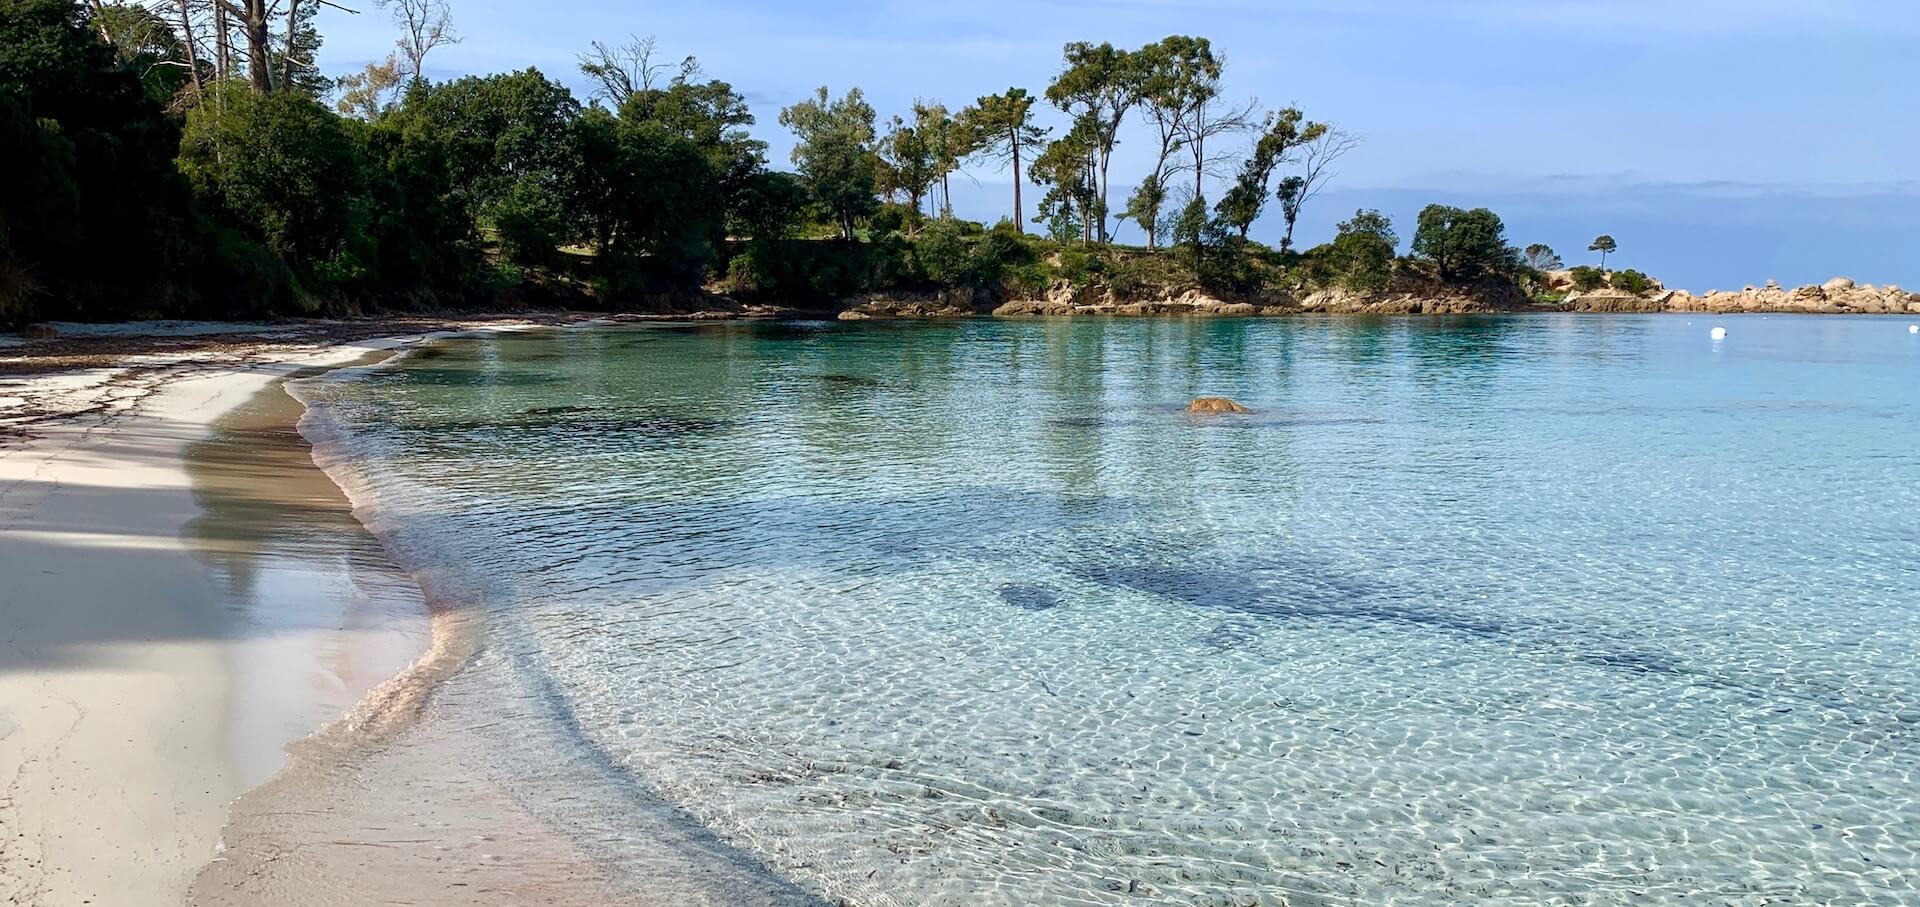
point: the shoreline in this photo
(137, 702)
(116, 687)
(427, 804)
(277, 757)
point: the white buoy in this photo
(1913, 329)
(1719, 333)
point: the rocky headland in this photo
(1557, 294)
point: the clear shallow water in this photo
(1580, 610)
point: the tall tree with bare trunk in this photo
(424, 25)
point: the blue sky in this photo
(1722, 142)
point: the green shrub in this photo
(942, 254)
(1077, 266)
(1586, 278)
(1633, 282)
(1361, 257)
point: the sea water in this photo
(1509, 610)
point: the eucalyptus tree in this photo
(949, 142)
(1168, 74)
(1194, 82)
(1283, 133)
(1097, 87)
(1001, 127)
(1317, 157)
(424, 25)
(1067, 170)
(835, 153)
(907, 162)
(367, 94)
(621, 71)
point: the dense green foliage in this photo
(146, 179)
(1361, 257)
(1586, 278)
(1632, 281)
(1464, 245)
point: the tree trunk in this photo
(220, 52)
(286, 62)
(259, 47)
(1106, 158)
(1019, 221)
(193, 51)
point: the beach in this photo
(135, 701)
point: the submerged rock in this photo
(1215, 405)
(1028, 597)
(39, 332)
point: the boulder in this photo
(851, 315)
(1215, 406)
(39, 332)
(1838, 285)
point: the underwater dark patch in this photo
(1028, 597)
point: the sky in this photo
(1721, 142)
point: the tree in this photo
(951, 143)
(620, 72)
(1362, 252)
(907, 160)
(1463, 245)
(1170, 72)
(282, 167)
(711, 115)
(1206, 114)
(1541, 257)
(1144, 206)
(94, 217)
(1097, 87)
(424, 25)
(1284, 131)
(1317, 158)
(769, 207)
(510, 148)
(835, 153)
(1604, 245)
(1065, 169)
(365, 94)
(146, 44)
(1001, 127)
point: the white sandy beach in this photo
(135, 703)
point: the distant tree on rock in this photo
(1604, 245)
(1541, 257)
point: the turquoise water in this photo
(1526, 610)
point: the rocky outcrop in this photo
(955, 303)
(1401, 300)
(1838, 296)
(1215, 406)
